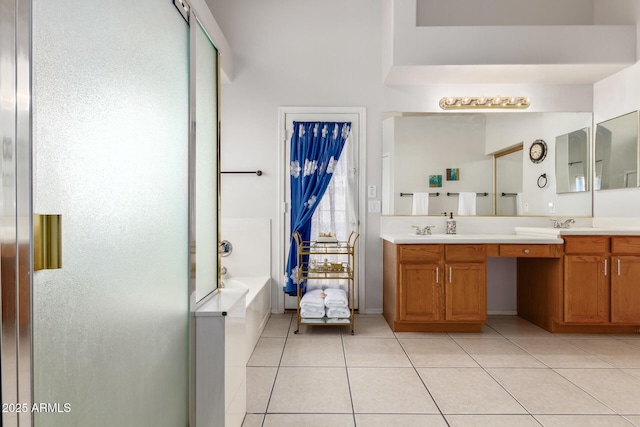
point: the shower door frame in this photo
(16, 217)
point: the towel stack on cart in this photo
(330, 302)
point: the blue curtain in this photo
(315, 150)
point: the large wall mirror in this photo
(572, 162)
(616, 153)
(445, 154)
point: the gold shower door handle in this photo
(47, 242)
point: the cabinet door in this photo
(586, 289)
(420, 292)
(625, 289)
(466, 292)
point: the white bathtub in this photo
(258, 305)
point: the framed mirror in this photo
(572, 162)
(616, 153)
(421, 152)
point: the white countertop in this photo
(408, 238)
(576, 231)
(221, 302)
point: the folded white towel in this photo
(336, 298)
(338, 320)
(338, 312)
(311, 314)
(466, 203)
(420, 204)
(312, 300)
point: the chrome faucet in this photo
(562, 224)
(423, 231)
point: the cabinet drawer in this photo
(466, 252)
(586, 244)
(531, 251)
(625, 245)
(418, 253)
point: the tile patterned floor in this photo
(513, 374)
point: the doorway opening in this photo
(340, 208)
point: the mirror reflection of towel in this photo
(466, 203)
(519, 204)
(420, 204)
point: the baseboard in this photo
(502, 312)
(373, 311)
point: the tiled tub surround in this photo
(512, 374)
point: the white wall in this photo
(505, 12)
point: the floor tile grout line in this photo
(346, 369)
(422, 381)
(492, 377)
(557, 373)
(589, 394)
(571, 344)
(275, 378)
(511, 339)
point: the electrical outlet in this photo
(374, 206)
(526, 208)
(371, 191)
(552, 207)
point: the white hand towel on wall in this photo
(519, 204)
(420, 204)
(466, 203)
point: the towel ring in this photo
(542, 180)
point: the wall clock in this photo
(538, 151)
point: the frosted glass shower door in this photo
(110, 132)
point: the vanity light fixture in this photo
(461, 103)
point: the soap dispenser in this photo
(451, 224)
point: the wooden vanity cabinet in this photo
(420, 296)
(625, 280)
(602, 280)
(586, 284)
(466, 283)
(434, 287)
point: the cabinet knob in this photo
(526, 251)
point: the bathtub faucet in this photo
(225, 248)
